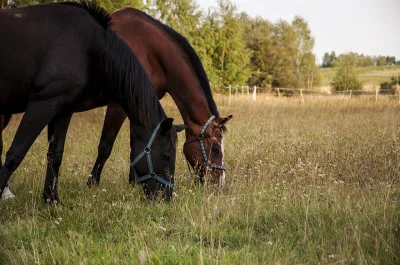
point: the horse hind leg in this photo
(40, 111)
(115, 117)
(57, 132)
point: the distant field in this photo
(308, 183)
(369, 76)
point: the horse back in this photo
(44, 42)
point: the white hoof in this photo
(7, 194)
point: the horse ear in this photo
(180, 127)
(166, 125)
(226, 119)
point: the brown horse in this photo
(174, 67)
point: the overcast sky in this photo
(364, 26)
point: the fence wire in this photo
(253, 92)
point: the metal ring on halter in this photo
(200, 138)
(146, 152)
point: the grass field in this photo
(369, 76)
(308, 183)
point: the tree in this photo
(230, 57)
(328, 60)
(346, 77)
(380, 61)
(283, 68)
(325, 60)
(333, 59)
(309, 72)
(390, 60)
(181, 15)
(259, 40)
(304, 43)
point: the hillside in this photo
(369, 76)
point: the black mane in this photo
(126, 76)
(194, 59)
(95, 10)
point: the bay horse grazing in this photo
(60, 58)
(174, 67)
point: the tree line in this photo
(234, 47)
(361, 60)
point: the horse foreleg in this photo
(38, 114)
(4, 120)
(115, 117)
(57, 132)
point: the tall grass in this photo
(308, 183)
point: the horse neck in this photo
(189, 97)
(168, 68)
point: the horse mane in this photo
(124, 72)
(194, 59)
(96, 11)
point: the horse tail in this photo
(127, 80)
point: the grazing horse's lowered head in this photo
(153, 159)
(204, 150)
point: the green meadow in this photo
(307, 183)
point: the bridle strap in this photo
(147, 152)
(200, 138)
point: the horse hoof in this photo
(7, 194)
(51, 200)
(92, 182)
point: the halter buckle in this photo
(200, 136)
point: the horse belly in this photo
(13, 104)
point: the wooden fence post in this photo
(230, 95)
(248, 90)
(255, 93)
(302, 96)
(351, 92)
(279, 92)
(236, 94)
(376, 95)
(398, 91)
(242, 90)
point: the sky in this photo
(371, 27)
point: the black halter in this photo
(147, 152)
(200, 138)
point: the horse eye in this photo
(165, 156)
(215, 150)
